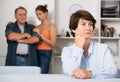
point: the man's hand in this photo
(26, 35)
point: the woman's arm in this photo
(105, 68)
(71, 59)
(53, 36)
(109, 68)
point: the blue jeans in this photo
(44, 58)
(21, 61)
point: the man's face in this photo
(21, 16)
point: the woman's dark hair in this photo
(80, 14)
(42, 8)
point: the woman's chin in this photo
(87, 36)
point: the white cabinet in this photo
(2, 60)
(110, 17)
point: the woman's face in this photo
(41, 15)
(85, 28)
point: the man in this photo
(21, 53)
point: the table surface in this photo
(48, 78)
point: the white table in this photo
(48, 78)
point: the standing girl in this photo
(48, 33)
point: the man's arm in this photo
(13, 36)
(33, 39)
(30, 40)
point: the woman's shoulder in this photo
(69, 48)
(52, 25)
(37, 26)
(52, 28)
(100, 46)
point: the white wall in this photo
(7, 8)
(62, 11)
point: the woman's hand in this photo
(81, 74)
(79, 41)
(36, 30)
(9, 22)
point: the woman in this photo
(85, 58)
(48, 33)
